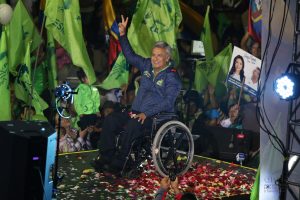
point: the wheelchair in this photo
(169, 144)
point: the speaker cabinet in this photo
(27, 151)
(223, 143)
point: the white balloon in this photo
(5, 13)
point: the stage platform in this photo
(207, 178)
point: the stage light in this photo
(287, 86)
(292, 162)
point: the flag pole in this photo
(241, 91)
(35, 65)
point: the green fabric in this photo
(23, 86)
(64, 22)
(40, 78)
(154, 21)
(22, 31)
(205, 37)
(223, 24)
(255, 188)
(118, 76)
(220, 67)
(200, 81)
(213, 71)
(87, 101)
(51, 62)
(5, 108)
(39, 117)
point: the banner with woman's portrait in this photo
(244, 67)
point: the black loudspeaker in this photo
(27, 151)
(224, 143)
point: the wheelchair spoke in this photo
(173, 149)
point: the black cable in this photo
(258, 113)
(42, 182)
(261, 112)
(286, 7)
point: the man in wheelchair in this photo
(159, 88)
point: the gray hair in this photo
(164, 45)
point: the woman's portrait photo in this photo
(237, 69)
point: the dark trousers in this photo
(112, 126)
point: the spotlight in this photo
(287, 86)
(292, 162)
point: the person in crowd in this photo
(165, 186)
(87, 100)
(159, 87)
(72, 139)
(254, 78)
(233, 116)
(253, 48)
(193, 107)
(237, 69)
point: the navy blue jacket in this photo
(155, 94)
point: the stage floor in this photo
(207, 178)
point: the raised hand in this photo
(122, 25)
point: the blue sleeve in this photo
(160, 194)
(131, 57)
(173, 87)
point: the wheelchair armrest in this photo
(165, 115)
(162, 117)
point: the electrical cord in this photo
(282, 146)
(261, 112)
(42, 182)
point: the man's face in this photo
(159, 58)
(255, 74)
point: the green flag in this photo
(255, 188)
(200, 81)
(87, 101)
(154, 21)
(40, 78)
(5, 109)
(51, 62)
(22, 31)
(205, 37)
(213, 71)
(118, 76)
(64, 23)
(23, 86)
(219, 68)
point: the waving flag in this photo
(118, 76)
(255, 19)
(23, 86)
(154, 21)
(51, 62)
(5, 108)
(109, 18)
(205, 37)
(213, 71)
(21, 32)
(64, 22)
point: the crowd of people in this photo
(154, 86)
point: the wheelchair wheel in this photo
(173, 149)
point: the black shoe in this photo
(101, 164)
(116, 166)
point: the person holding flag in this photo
(159, 87)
